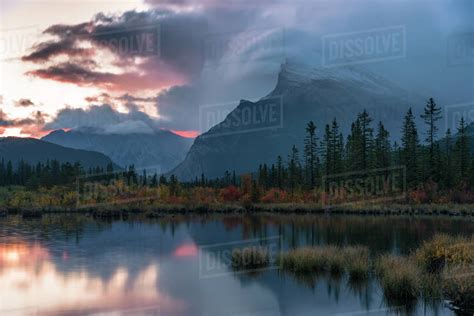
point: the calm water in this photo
(75, 265)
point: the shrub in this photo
(443, 250)
(274, 196)
(230, 194)
(459, 290)
(306, 259)
(418, 196)
(357, 261)
(399, 277)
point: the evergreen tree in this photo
(410, 148)
(382, 147)
(310, 153)
(461, 150)
(294, 169)
(432, 114)
(448, 163)
(366, 140)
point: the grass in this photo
(459, 289)
(443, 250)
(357, 262)
(306, 259)
(399, 277)
(440, 268)
(336, 260)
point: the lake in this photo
(78, 265)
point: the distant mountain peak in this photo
(294, 73)
(161, 148)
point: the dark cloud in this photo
(104, 119)
(44, 51)
(130, 98)
(101, 98)
(168, 43)
(37, 118)
(32, 124)
(82, 75)
(213, 53)
(24, 103)
(4, 121)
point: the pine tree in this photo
(332, 149)
(432, 114)
(280, 173)
(410, 148)
(366, 140)
(461, 150)
(294, 169)
(311, 157)
(325, 151)
(448, 160)
(359, 148)
(382, 147)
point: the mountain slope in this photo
(161, 150)
(33, 150)
(304, 94)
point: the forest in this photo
(437, 169)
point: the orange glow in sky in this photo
(187, 134)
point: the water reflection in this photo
(74, 265)
(30, 283)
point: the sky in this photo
(146, 65)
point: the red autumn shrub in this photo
(274, 196)
(418, 196)
(230, 194)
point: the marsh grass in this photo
(305, 259)
(332, 259)
(445, 251)
(399, 277)
(458, 287)
(357, 262)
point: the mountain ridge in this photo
(34, 150)
(160, 150)
(320, 95)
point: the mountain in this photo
(34, 150)
(245, 138)
(159, 151)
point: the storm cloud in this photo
(104, 119)
(193, 53)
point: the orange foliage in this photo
(230, 194)
(275, 196)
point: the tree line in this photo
(447, 162)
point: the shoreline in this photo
(154, 211)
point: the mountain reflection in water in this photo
(75, 265)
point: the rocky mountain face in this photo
(257, 132)
(32, 150)
(159, 151)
